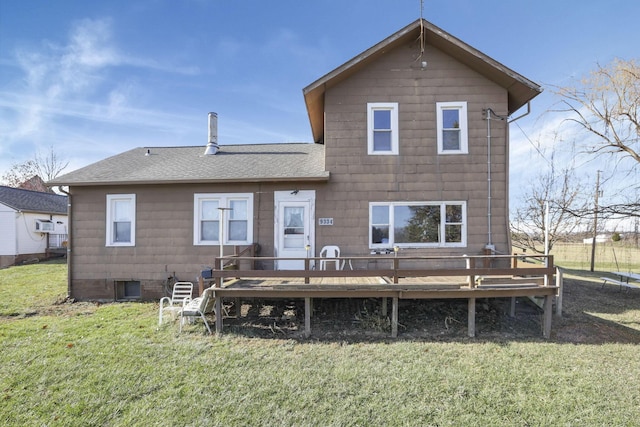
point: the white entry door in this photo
(294, 231)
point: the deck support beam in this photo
(547, 316)
(307, 317)
(394, 317)
(218, 314)
(472, 317)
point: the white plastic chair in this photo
(329, 253)
(198, 307)
(182, 291)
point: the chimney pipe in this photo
(212, 146)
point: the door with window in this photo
(294, 231)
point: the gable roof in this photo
(33, 201)
(520, 89)
(232, 163)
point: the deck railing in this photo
(57, 240)
(473, 267)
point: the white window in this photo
(236, 210)
(452, 127)
(382, 128)
(417, 224)
(121, 220)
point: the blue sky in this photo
(93, 79)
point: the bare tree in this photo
(606, 104)
(46, 167)
(563, 194)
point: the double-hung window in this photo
(417, 224)
(452, 127)
(121, 220)
(223, 214)
(382, 128)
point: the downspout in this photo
(69, 229)
(489, 245)
(489, 112)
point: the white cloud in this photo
(64, 82)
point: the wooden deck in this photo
(394, 283)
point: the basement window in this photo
(128, 290)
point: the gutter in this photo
(69, 245)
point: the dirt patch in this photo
(591, 314)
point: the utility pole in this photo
(595, 222)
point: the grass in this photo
(609, 256)
(86, 364)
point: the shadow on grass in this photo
(592, 314)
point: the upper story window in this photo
(236, 211)
(382, 128)
(417, 224)
(452, 127)
(121, 220)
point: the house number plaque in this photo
(325, 221)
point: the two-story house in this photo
(411, 150)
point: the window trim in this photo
(393, 108)
(464, 126)
(223, 200)
(111, 199)
(442, 226)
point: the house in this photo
(410, 151)
(35, 183)
(32, 224)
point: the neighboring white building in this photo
(600, 238)
(32, 223)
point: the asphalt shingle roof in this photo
(232, 163)
(33, 201)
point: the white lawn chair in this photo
(198, 307)
(330, 253)
(181, 291)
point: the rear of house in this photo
(410, 152)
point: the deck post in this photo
(394, 317)
(200, 285)
(238, 306)
(472, 317)
(395, 270)
(307, 317)
(471, 264)
(384, 306)
(306, 268)
(218, 314)
(512, 310)
(546, 321)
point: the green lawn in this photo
(86, 364)
(609, 256)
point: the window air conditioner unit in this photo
(44, 226)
